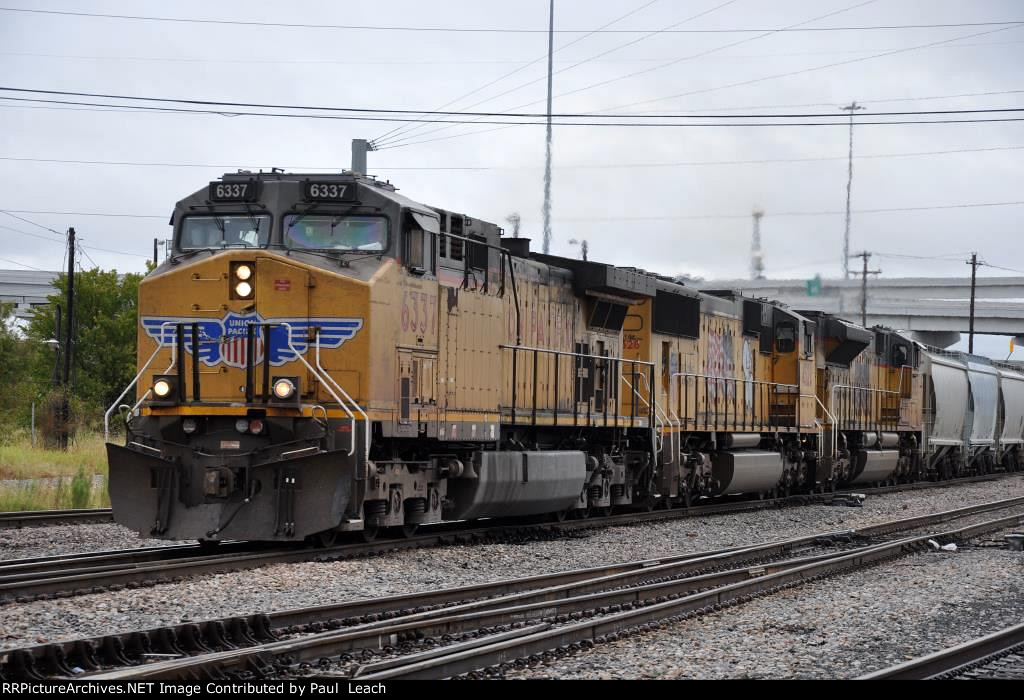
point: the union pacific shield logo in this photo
(225, 341)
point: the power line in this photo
(586, 60)
(689, 57)
(129, 110)
(482, 30)
(480, 168)
(998, 267)
(63, 241)
(796, 213)
(15, 262)
(887, 115)
(744, 82)
(33, 235)
(33, 223)
(949, 257)
(812, 69)
(879, 100)
(81, 249)
(400, 128)
(448, 113)
(417, 62)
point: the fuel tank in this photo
(746, 471)
(502, 484)
(875, 465)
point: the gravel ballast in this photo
(26, 542)
(841, 627)
(285, 586)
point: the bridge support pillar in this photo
(939, 339)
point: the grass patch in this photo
(60, 493)
(19, 460)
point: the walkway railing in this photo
(555, 383)
(733, 403)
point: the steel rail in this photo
(956, 660)
(94, 572)
(461, 661)
(35, 518)
(640, 586)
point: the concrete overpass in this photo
(936, 309)
(26, 288)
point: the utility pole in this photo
(864, 286)
(68, 343)
(973, 262)
(154, 252)
(851, 108)
(547, 157)
(584, 246)
(516, 222)
(756, 256)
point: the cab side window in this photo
(420, 247)
(785, 338)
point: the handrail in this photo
(736, 379)
(752, 382)
(652, 414)
(159, 347)
(352, 418)
(550, 351)
(366, 418)
(867, 389)
(832, 422)
(174, 354)
(657, 408)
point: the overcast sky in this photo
(633, 175)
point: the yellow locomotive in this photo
(322, 354)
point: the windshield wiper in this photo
(255, 223)
(300, 217)
(189, 253)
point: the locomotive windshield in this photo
(229, 231)
(337, 232)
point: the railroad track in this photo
(456, 631)
(995, 656)
(23, 580)
(42, 518)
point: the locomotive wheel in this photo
(581, 513)
(605, 511)
(369, 533)
(560, 516)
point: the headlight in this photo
(242, 425)
(284, 389)
(189, 425)
(242, 279)
(162, 388)
(256, 426)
